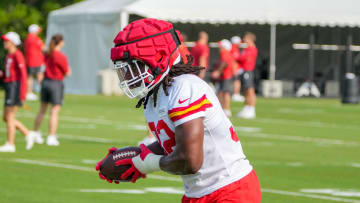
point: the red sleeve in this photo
(205, 51)
(20, 64)
(62, 62)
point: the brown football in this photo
(112, 172)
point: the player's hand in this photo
(98, 165)
(215, 75)
(146, 162)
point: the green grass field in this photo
(303, 150)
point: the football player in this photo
(195, 139)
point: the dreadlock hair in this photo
(177, 69)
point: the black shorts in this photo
(247, 80)
(12, 94)
(33, 71)
(226, 85)
(52, 91)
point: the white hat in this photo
(236, 40)
(226, 44)
(12, 37)
(34, 28)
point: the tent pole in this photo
(311, 57)
(124, 19)
(272, 51)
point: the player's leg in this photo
(40, 77)
(245, 190)
(53, 124)
(236, 93)
(30, 96)
(40, 116)
(248, 111)
(227, 90)
(9, 118)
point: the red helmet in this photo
(144, 52)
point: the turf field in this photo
(303, 150)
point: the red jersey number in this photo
(167, 144)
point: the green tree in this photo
(17, 15)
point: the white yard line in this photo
(158, 177)
(299, 194)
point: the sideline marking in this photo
(298, 194)
(280, 192)
(333, 192)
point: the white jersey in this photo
(190, 98)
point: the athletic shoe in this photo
(7, 148)
(248, 112)
(147, 141)
(38, 138)
(52, 141)
(31, 97)
(30, 139)
(238, 98)
(227, 113)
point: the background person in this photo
(225, 72)
(201, 53)
(235, 51)
(52, 87)
(14, 77)
(248, 61)
(34, 47)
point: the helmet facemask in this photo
(135, 77)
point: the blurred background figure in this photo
(201, 53)
(184, 51)
(247, 60)
(34, 47)
(52, 87)
(225, 72)
(14, 78)
(235, 51)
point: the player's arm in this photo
(187, 158)
(156, 148)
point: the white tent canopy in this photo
(90, 26)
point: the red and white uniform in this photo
(33, 51)
(200, 50)
(15, 70)
(56, 66)
(190, 98)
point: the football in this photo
(112, 172)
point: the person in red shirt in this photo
(201, 53)
(235, 52)
(52, 87)
(225, 72)
(247, 60)
(184, 51)
(34, 47)
(14, 76)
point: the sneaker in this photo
(227, 113)
(248, 112)
(30, 140)
(238, 98)
(52, 141)
(7, 148)
(38, 138)
(31, 97)
(147, 141)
